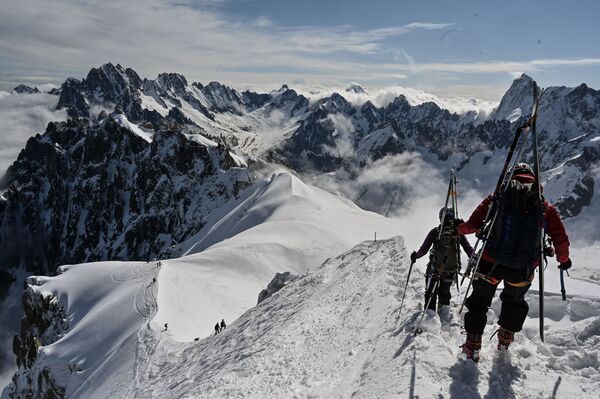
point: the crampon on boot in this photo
(505, 338)
(471, 348)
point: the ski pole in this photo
(562, 285)
(405, 287)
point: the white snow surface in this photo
(331, 333)
(108, 303)
(122, 120)
(334, 333)
(280, 224)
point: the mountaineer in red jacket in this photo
(517, 279)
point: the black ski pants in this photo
(514, 307)
(442, 295)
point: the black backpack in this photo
(515, 237)
(444, 257)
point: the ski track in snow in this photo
(333, 333)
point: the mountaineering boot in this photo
(471, 348)
(505, 338)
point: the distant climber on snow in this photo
(510, 254)
(443, 259)
(223, 325)
(217, 328)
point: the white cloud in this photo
(262, 22)
(343, 135)
(47, 41)
(382, 97)
(403, 186)
(196, 40)
(22, 116)
(510, 67)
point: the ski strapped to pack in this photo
(433, 282)
(518, 144)
(538, 182)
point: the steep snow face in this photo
(280, 224)
(335, 332)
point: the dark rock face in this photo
(279, 281)
(254, 100)
(24, 89)
(72, 99)
(44, 322)
(222, 98)
(83, 192)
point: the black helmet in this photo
(523, 168)
(449, 213)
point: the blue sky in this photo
(466, 48)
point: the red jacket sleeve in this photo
(476, 220)
(556, 231)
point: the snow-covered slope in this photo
(277, 225)
(334, 333)
(281, 224)
(100, 308)
(330, 333)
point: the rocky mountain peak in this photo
(86, 192)
(24, 89)
(173, 82)
(71, 98)
(222, 98)
(335, 103)
(518, 96)
(356, 89)
(111, 83)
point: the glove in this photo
(565, 265)
(413, 257)
(458, 222)
(549, 251)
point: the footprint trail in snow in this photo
(333, 333)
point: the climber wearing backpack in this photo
(444, 259)
(510, 254)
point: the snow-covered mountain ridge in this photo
(332, 332)
(277, 224)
